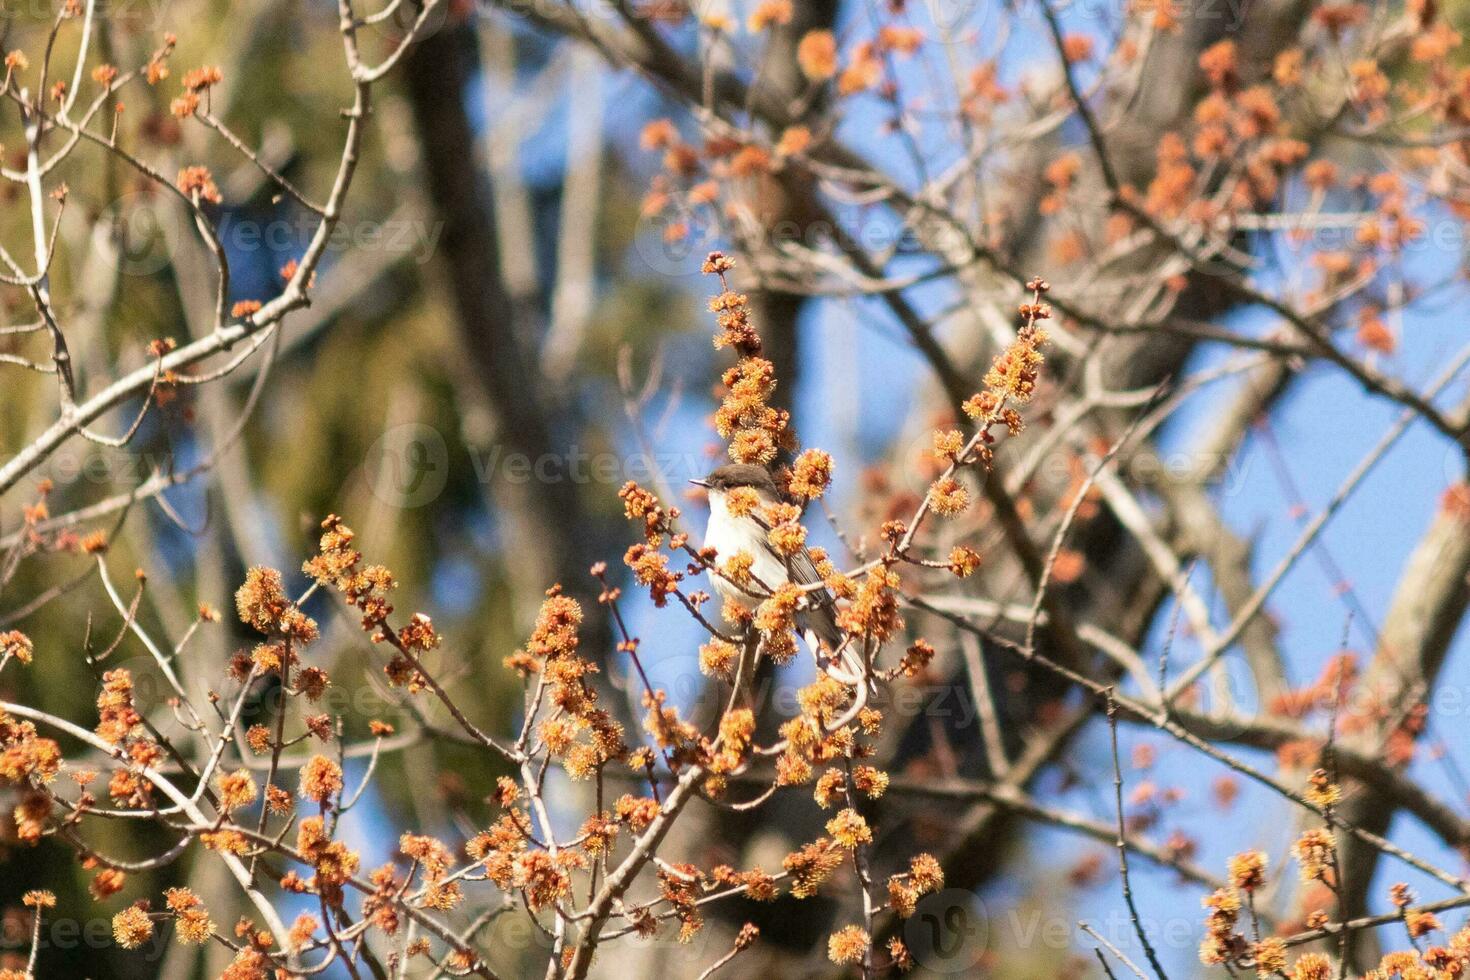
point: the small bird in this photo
(729, 534)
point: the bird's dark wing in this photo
(821, 616)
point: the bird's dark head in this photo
(733, 475)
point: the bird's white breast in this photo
(730, 535)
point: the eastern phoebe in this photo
(729, 534)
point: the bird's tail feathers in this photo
(823, 637)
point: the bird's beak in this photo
(700, 483)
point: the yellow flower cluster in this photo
(756, 431)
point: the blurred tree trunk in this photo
(548, 534)
(785, 205)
